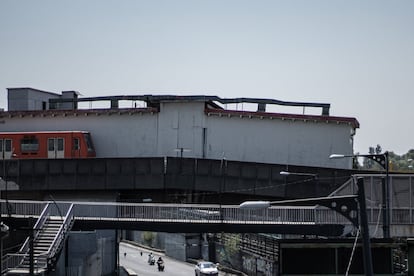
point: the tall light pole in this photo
(383, 161)
(350, 206)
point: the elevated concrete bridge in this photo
(179, 180)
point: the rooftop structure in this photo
(242, 129)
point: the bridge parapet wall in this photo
(199, 177)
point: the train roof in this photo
(43, 132)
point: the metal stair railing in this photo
(57, 242)
(16, 261)
(39, 224)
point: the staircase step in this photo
(46, 237)
(42, 243)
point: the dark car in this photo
(206, 268)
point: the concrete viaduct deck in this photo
(166, 179)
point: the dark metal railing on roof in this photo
(156, 99)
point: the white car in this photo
(206, 268)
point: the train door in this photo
(6, 148)
(56, 147)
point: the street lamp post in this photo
(383, 161)
(307, 177)
(349, 206)
(286, 173)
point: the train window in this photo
(59, 144)
(88, 141)
(50, 144)
(8, 144)
(76, 144)
(29, 144)
(6, 148)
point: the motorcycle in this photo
(151, 260)
(160, 266)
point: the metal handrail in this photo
(16, 260)
(65, 226)
(188, 213)
(39, 223)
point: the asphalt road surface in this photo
(134, 261)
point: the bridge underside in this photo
(319, 230)
(183, 180)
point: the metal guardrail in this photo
(180, 213)
(193, 213)
(14, 261)
(188, 213)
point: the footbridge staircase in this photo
(43, 245)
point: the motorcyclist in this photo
(150, 258)
(160, 263)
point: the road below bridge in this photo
(136, 262)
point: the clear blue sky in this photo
(356, 55)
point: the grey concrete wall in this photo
(89, 254)
(175, 245)
(181, 125)
(277, 141)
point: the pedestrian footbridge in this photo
(48, 222)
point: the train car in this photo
(46, 144)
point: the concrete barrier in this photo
(125, 271)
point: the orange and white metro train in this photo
(46, 144)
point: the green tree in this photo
(397, 163)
